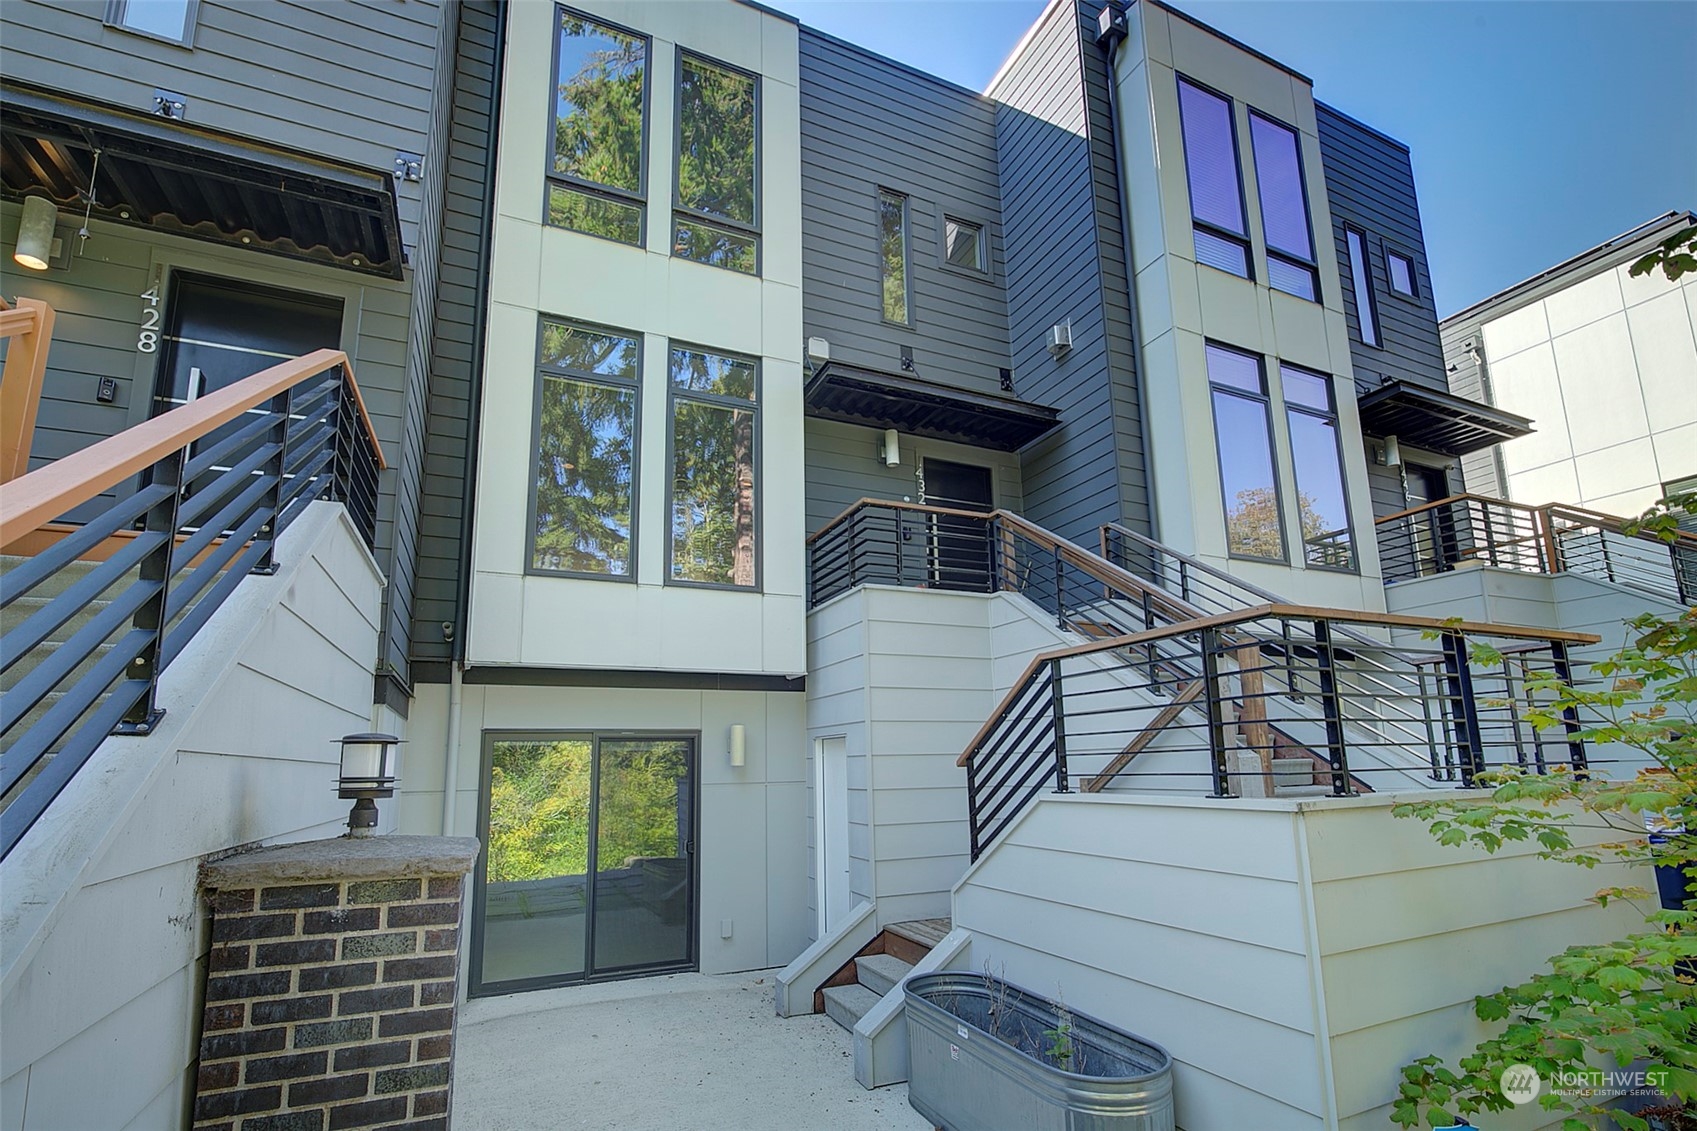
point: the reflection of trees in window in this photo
(538, 810)
(717, 166)
(713, 490)
(639, 788)
(892, 253)
(1254, 527)
(1243, 435)
(586, 452)
(598, 130)
(1318, 455)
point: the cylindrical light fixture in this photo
(368, 772)
(35, 233)
(892, 448)
(739, 744)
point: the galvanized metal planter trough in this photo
(986, 1055)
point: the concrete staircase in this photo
(879, 970)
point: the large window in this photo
(585, 451)
(1216, 189)
(1244, 436)
(1361, 283)
(892, 254)
(1284, 208)
(597, 180)
(717, 220)
(1324, 519)
(715, 399)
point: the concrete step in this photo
(881, 973)
(848, 1004)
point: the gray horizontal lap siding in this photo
(448, 457)
(866, 124)
(1370, 185)
(1481, 472)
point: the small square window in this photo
(1402, 273)
(964, 244)
(170, 20)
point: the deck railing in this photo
(28, 331)
(220, 479)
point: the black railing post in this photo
(1151, 650)
(973, 828)
(275, 467)
(993, 551)
(155, 570)
(851, 542)
(1331, 706)
(1563, 665)
(1216, 722)
(1464, 710)
(1184, 580)
(1058, 706)
(1060, 597)
(900, 522)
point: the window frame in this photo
(1240, 238)
(907, 252)
(1264, 398)
(945, 218)
(718, 400)
(1330, 415)
(703, 219)
(1363, 284)
(1413, 292)
(634, 384)
(638, 199)
(114, 18)
(1289, 258)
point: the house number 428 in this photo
(147, 341)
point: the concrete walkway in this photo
(688, 1052)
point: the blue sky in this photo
(1538, 127)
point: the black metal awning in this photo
(1436, 421)
(909, 404)
(157, 174)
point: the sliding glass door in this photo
(588, 868)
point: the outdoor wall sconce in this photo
(35, 233)
(892, 452)
(739, 745)
(368, 772)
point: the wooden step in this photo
(926, 932)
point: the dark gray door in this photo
(1435, 534)
(960, 545)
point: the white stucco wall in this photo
(1607, 370)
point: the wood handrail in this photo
(1584, 516)
(30, 326)
(863, 503)
(18, 320)
(48, 492)
(1508, 504)
(1264, 612)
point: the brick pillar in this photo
(330, 985)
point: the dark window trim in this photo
(1266, 401)
(907, 253)
(191, 23)
(1309, 262)
(944, 218)
(1413, 293)
(476, 986)
(1242, 198)
(1366, 280)
(638, 199)
(675, 394)
(735, 227)
(1329, 414)
(635, 385)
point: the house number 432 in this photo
(147, 341)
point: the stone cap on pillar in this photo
(343, 858)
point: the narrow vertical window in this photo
(1284, 208)
(586, 451)
(597, 178)
(1361, 285)
(715, 402)
(717, 218)
(1324, 519)
(1401, 270)
(1216, 187)
(892, 254)
(1244, 436)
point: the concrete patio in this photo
(680, 1052)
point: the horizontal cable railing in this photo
(100, 613)
(1467, 530)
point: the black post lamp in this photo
(368, 772)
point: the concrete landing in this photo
(683, 1051)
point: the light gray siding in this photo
(869, 123)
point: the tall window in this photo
(718, 189)
(1216, 189)
(1313, 418)
(1284, 208)
(586, 450)
(1360, 279)
(1244, 436)
(715, 399)
(892, 254)
(597, 180)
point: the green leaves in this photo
(1673, 255)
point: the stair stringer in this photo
(792, 990)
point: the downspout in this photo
(1111, 31)
(474, 425)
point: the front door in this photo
(589, 865)
(831, 761)
(960, 546)
(1436, 544)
